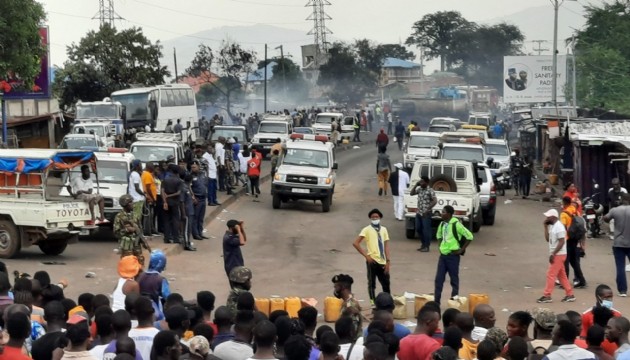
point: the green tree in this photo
(435, 34)
(288, 80)
(233, 63)
(108, 60)
(395, 51)
(603, 57)
(21, 46)
(347, 76)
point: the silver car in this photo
(487, 195)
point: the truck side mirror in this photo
(335, 166)
(479, 181)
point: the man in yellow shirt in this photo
(376, 253)
(150, 192)
(454, 238)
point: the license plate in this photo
(84, 232)
(301, 191)
(591, 216)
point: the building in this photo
(258, 77)
(35, 123)
(400, 71)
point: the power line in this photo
(539, 49)
(264, 4)
(211, 17)
(106, 13)
(319, 30)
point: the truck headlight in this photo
(115, 202)
(325, 180)
(280, 177)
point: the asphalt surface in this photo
(295, 251)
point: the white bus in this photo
(156, 105)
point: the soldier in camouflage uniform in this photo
(128, 231)
(241, 282)
(350, 307)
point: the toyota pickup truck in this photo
(455, 183)
(268, 134)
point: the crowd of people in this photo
(145, 320)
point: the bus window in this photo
(191, 97)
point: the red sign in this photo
(13, 86)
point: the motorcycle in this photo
(500, 176)
(593, 213)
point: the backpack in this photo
(577, 229)
(538, 353)
(460, 241)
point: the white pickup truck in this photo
(268, 134)
(33, 210)
(455, 183)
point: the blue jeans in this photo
(447, 264)
(198, 217)
(212, 191)
(423, 228)
(620, 254)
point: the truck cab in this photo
(323, 123)
(268, 134)
(307, 169)
(114, 169)
(419, 145)
(227, 131)
(455, 183)
(82, 141)
(462, 146)
(156, 147)
(104, 130)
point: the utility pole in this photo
(106, 13)
(540, 49)
(554, 82)
(175, 58)
(265, 80)
(4, 120)
(319, 30)
(284, 75)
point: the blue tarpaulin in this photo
(60, 160)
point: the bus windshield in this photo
(108, 111)
(137, 105)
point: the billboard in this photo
(528, 79)
(13, 86)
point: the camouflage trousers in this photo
(129, 246)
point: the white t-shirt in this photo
(134, 179)
(557, 232)
(80, 184)
(403, 182)
(233, 350)
(219, 153)
(242, 160)
(356, 354)
(212, 165)
(98, 351)
(144, 340)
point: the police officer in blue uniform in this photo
(199, 187)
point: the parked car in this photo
(487, 194)
(441, 128)
(303, 130)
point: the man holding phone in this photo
(233, 239)
(555, 235)
(426, 201)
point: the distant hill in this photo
(250, 37)
(536, 23)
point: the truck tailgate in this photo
(461, 203)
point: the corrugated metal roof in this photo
(399, 63)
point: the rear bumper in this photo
(299, 192)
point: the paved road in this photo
(295, 251)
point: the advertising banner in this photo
(528, 79)
(14, 88)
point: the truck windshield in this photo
(466, 154)
(151, 153)
(303, 157)
(108, 111)
(78, 142)
(497, 149)
(98, 130)
(324, 119)
(479, 121)
(137, 105)
(115, 172)
(423, 141)
(228, 133)
(270, 128)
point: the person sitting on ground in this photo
(544, 322)
(516, 349)
(617, 332)
(329, 346)
(18, 326)
(166, 346)
(385, 301)
(348, 348)
(82, 188)
(466, 324)
(603, 298)
(121, 323)
(239, 348)
(420, 344)
(265, 336)
(223, 320)
(453, 338)
(448, 317)
(484, 319)
(498, 337)
(486, 350)
(564, 334)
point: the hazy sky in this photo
(379, 20)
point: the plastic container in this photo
(420, 301)
(553, 179)
(332, 309)
(476, 299)
(262, 305)
(292, 305)
(400, 309)
(461, 303)
(276, 304)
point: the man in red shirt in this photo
(19, 328)
(420, 345)
(603, 297)
(253, 172)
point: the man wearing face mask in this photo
(376, 253)
(603, 297)
(343, 290)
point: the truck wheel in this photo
(276, 201)
(443, 183)
(488, 218)
(53, 248)
(410, 233)
(476, 223)
(326, 204)
(10, 242)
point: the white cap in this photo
(551, 213)
(398, 165)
